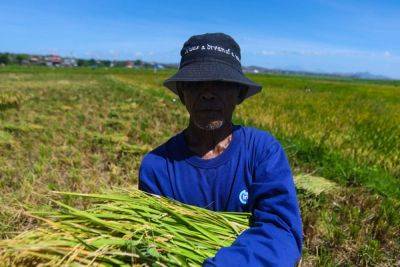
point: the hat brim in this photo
(211, 71)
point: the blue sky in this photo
(313, 35)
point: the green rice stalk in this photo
(123, 228)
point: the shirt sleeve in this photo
(148, 180)
(274, 237)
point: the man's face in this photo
(210, 103)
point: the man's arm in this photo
(275, 235)
(151, 172)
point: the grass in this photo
(332, 121)
(86, 130)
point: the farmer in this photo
(221, 166)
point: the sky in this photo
(340, 36)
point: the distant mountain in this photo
(356, 75)
(368, 76)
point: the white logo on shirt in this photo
(243, 196)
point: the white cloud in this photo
(387, 54)
(269, 53)
(325, 53)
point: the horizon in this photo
(344, 74)
(349, 37)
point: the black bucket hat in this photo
(211, 57)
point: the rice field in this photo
(85, 130)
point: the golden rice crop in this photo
(11, 99)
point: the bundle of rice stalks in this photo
(124, 228)
(315, 184)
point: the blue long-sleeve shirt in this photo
(252, 174)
